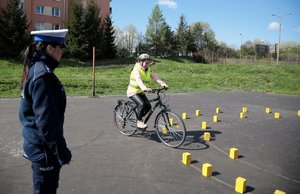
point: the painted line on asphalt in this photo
(256, 167)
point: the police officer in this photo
(42, 108)
(140, 75)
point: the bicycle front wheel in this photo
(125, 120)
(170, 129)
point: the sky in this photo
(233, 21)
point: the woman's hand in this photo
(164, 85)
(147, 90)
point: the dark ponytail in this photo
(28, 54)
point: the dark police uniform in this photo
(42, 109)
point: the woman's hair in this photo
(29, 53)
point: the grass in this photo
(181, 74)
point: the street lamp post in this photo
(280, 19)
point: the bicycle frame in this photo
(171, 132)
(149, 114)
(159, 103)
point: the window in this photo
(55, 27)
(39, 9)
(56, 12)
(40, 26)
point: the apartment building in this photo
(53, 14)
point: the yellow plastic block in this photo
(184, 115)
(197, 113)
(242, 115)
(240, 185)
(234, 153)
(171, 121)
(186, 158)
(276, 115)
(245, 109)
(207, 170)
(164, 130)
(298, 113)
(206, 136)
(218, 110)
(203, 125)
(268, 110)
(215, 119)
(279, 192)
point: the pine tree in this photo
(110, 49)
(154, 29)
(13, 29)
(93, 30)
(85, 31)
(168, 46)
(182, 35)
(77, 45)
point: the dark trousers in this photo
(45, 176)
(143, 105)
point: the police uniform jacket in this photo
(42, 109)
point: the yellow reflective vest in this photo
(145, 77)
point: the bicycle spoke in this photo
(171, 133)
(126, 122)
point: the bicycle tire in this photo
(171, 134)
(125, 124)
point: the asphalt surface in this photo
(105, 161)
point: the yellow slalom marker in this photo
(279, 192)
(268, 110)
(206, 136)
(242, 115)
(203, 125)
(197, 113)
(171, 121)
(184, 115)
(298, 113)
(186, 158)
(207, 170)
(164, 130)
(215, 118)
(233, 153)
(276, 115)
(218, 110)
(240, 185)
(245, 109)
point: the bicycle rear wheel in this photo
(125, 120)
(170, 129)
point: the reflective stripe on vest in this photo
(145, 77)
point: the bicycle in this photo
(170, 128)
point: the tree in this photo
(131, 38)
(76, 38)
(110, 49)
(85, 31)
(13, 29)
(154, 28)
(94, 30)
(168, 46)
(248, 48)
(182, 35)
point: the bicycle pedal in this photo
(141, 130)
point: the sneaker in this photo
(141, 124)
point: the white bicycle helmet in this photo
(143, 57)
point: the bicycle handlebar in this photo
(158, 90)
